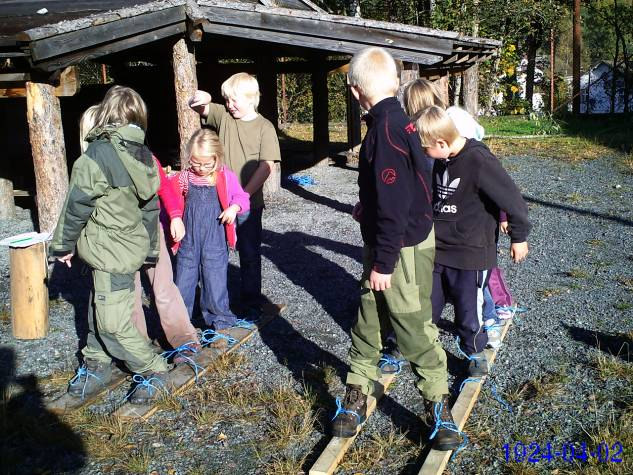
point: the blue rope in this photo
(142, 381)
(301, 180)
(83, 371)
(460, 352)
(500, 400)
(440, 424)
(210, 336)
(243, 323)
(181, 351)
(341, 410)
(468, 380)
(390, 360)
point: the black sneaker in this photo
(351, 414)
(147, 388)
(478, 365)
(90, 378)
(445, 434)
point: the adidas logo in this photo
(445, 189)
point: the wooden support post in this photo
(320, 115)
(49, 152)
(267, 79)
(577, 39)
(7, 203)
(29, 293)
(470, 90)
(443, 82)
(353, 123)
(185, 83)
(552, 72)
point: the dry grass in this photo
(626, 282)
(577, 273)
(549, 292)
(137, 462)
(106, 437)
(387, 450)
(167, 401)
(614, 367)
(544, 386)
(5, 315)
(595, 242)
(284, 465)
(514, 468)
(564, 148)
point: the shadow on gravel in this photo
(322, 200)
(616, 345)
(32, 439)
(73, 285)
(335, 289)
(580, 211)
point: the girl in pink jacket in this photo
(212, 198)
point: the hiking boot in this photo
(351, 414)
(445, 434)
(148, 388)
(91, 377)
(187, 353)
(478, 365)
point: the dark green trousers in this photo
(407, 307)
(111, 331)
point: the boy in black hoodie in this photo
(469, 188)
(396, 223)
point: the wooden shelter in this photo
(166, 48)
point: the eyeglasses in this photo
(200, 166)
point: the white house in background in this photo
(595, 87)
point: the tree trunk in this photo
(614, 76)
(577, 38)
(320, 115)
(185, 83)
(49, 152)
(532, 46)
(353, 124)
(470, 89)
(7, 203)
(442, 83)
(552, 72)
(267, 78)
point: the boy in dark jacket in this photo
(469, 188)
(396, 222)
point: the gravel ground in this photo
(576, 285)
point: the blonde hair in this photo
(374, 71)
(86, 124)
(206, 142)
(122, 106)
(241, 84)
(433, 124)
(420, 94)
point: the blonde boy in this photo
(251, 147)
(469, 188)
(396, 223)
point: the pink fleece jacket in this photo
(230, 193)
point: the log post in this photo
(353, 123)
(267, 79)
(470, 89)
(29, 293)
(7, 203)
(443, 83)
(185, 84)
(49, 152)
(320, 115)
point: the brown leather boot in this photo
(444, 430)
(351, 414)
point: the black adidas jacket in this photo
(468, 191)
(394, 185)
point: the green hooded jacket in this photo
(111, 210)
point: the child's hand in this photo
(66, 259)
(519, 251)
(177, 229)
(228, 215)
(378, 281)
(200, 102)
(357, 211)
(504, 227)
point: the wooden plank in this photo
(114, 47)
(337, 447)
(183, 377)
(436, 460)
(314, 43)
(106, 33)
(67, 403)
(322, 29)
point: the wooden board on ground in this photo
(436, 460)
(335, 450)
(183, 376)
(68, 403)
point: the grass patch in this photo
(614, 366)
(386, 451)
(549, 292)
(576, 273)
(284, 465)
(626, 282)
(622, 306)
(517, 125)
(563, 148)
(138, 461)
(5, 315)
(544, 386)
(106, 437)
(595, 242)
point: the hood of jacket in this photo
(128, 141)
